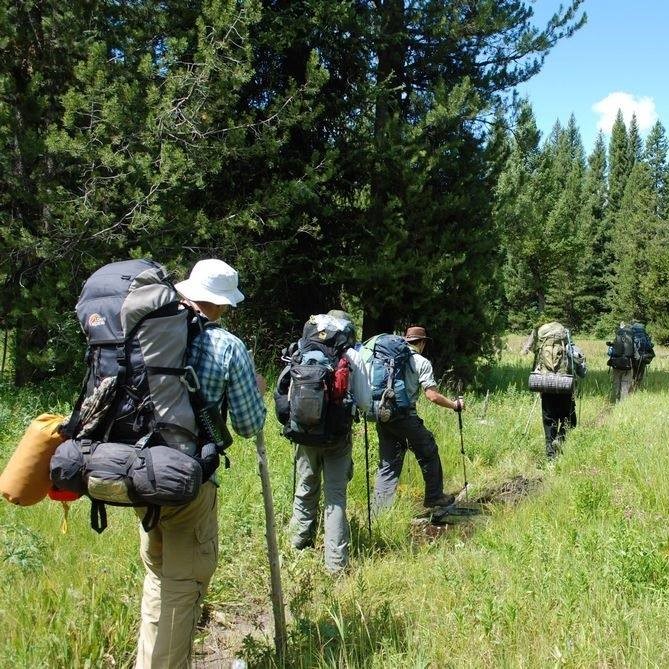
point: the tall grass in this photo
(575, 573)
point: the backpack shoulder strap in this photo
(283, 381)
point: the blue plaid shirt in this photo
(224, 367)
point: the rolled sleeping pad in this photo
(25, 480)
(549, 382)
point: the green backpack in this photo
(551, 350)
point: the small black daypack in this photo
(311, 399)
(621, 349)
(138, 418)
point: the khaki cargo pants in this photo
(180, 556)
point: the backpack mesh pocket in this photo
(308, 394)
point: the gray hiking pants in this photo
(395, 437)
(335, 466)
(622, 382)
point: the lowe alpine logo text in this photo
(95, 320)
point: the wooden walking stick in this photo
(280, 635)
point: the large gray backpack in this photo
(134, 435)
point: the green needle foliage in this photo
(584, 240)
(334, 152)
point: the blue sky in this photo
(619, 58)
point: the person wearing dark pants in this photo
(407, 432)
(395, 438)
(558, 412)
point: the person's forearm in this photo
(441, 400)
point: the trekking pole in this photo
(294, 470)
(462, 451)
(369, 503)
(529, 415)
(280, 634)
(462, 441)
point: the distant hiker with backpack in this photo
(644, 353)
(558, 363)
(399, 370)
(317, 396)
(621, 360)
(630, 352)
(181, 553)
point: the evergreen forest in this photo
(373, 156)
(369, 155)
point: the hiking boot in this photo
(554, 449)
(301, 544)
(446, 499)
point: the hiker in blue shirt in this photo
(407, 431)
(180, 554)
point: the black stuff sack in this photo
(126, 474)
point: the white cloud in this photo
(607, 108)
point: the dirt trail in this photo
(225, 632)
(509, 492)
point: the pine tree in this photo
(619, 163)
(42, 42)
(655, 283)
(520, 220)
(634, 143)
(655, 155)
(428, 187)
(594, 242)
(636, 224)
(538, 198)
(564, 182)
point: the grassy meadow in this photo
(569, 566)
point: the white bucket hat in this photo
(211, 281)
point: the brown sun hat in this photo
(415, 333)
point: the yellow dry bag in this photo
(25, 480)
